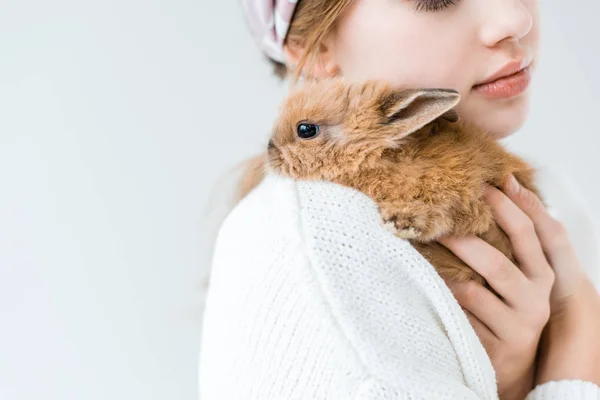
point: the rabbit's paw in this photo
(401, 227)
(423, 224)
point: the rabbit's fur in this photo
(405, 149)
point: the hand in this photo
(509, 328)
(570, 347)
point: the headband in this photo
(269, 21)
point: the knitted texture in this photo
(566, 390)
(311, 298)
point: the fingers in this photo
(526, 200)
(554, 240)
(521, 231)
(501, 274)
(488, 309)
(486, 336)
(551, 233)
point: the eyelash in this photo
(434, 5)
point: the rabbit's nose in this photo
(271, 144)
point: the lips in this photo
(510, 81)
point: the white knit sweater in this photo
(311, 298)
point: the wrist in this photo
(519, 390)
(570, 345)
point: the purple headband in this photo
(269, 21)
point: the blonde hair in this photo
(313, 20)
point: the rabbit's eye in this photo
(307, 131)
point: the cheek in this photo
(499, 119)
(404, 47)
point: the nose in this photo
(505, 20)
(271, 144)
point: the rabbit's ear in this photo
(410, 110)
(451, 116)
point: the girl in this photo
(311, 299)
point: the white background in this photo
(117, 119)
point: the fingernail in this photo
(512, 184)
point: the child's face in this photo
(458, 47)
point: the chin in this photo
(499, 118)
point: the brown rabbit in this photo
(405, 149)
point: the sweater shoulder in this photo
(309, 263)
(266, 208)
